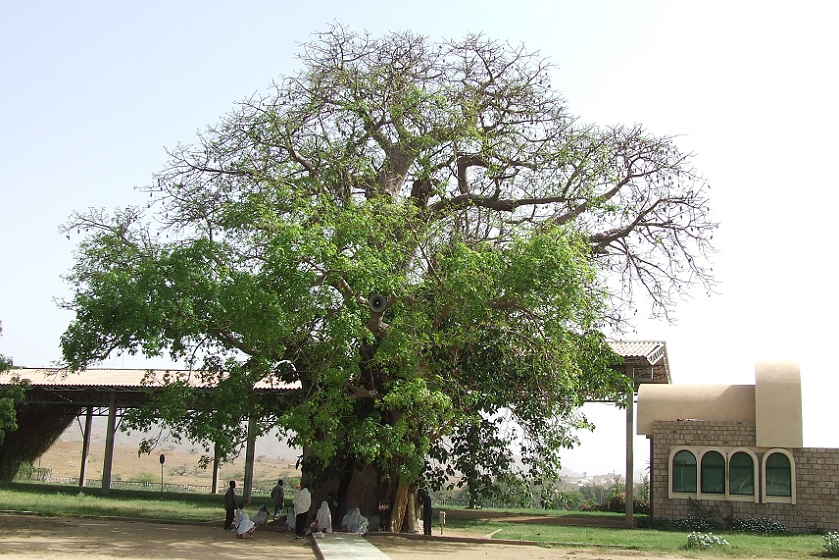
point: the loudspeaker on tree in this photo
(377, 303)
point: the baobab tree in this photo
(418, 232)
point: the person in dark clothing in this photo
(278, 498)
(230, 505)
(426, 512)
(333, 505)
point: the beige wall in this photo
(734, 403)
(778, 405)
(773, 403)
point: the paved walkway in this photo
(342, 546)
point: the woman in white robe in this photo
(324, 517)
(261, 517)
(244, 526)
(354, 522)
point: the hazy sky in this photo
(92, 92)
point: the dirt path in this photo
(30, 537)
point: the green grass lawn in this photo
(66, 501)
(647, 540)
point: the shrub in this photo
(617, 504)
(762, 526)
(692, 523)
(831, 543)
(145, 478)
(705, 540)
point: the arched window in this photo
(713, 473)
(684, 472)
(741, 474)
(778, 475)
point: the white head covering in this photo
(354, 522)
(243, 522)
(324, 517)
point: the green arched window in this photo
(684, 472)
(741, 474)
(713, 473)
(778, 475)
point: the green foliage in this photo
(692, 523)
(146, 478)
(39, 425)
(831, 543)
(617, 504)
(762, 526)
(448, 178)
(705, 540)
(10, 395)
(26, 471)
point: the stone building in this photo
(736, 452)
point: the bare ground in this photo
(28, 537)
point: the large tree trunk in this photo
(400, 505)
(412, 510)
(379, 498)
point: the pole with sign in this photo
(162, 461)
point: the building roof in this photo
(120, 378)
(641, 352)
(648, 351)
(645, 361)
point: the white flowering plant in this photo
(692, 523)
(831, 543)
(705, 540)
(762, 526)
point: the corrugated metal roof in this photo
(129, 378)
(650, 350)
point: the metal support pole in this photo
(109, 445)
(630, 476)
(216, 469)
(88, 419)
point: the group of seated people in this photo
(353, 521)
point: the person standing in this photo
(333, 505)
(278, 498)
(302, 502)
(426, 512)
(230, 505)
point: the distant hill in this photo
(270, 446)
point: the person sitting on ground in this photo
(323, 520)
(324, 517)
(244, 526)
(354, 522)
(261, 517)
(290, 519)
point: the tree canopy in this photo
(501, 234)
(10, 395)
